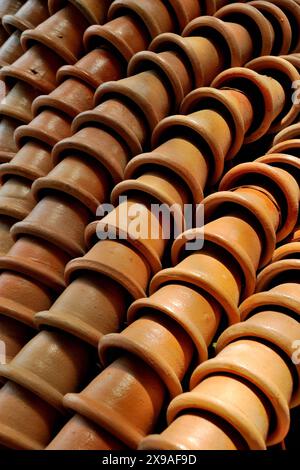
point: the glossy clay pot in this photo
(291, 132)
(95, 12)
(30, 15)
(16, 199)
(7, 147)
(14, 335)
(11, 49)
(17, 103)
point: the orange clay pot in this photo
(31, 14)
(285, 162)
(26, 421)
(118, 261)
(95, 12)
(8, 147)
(48, 127)
(292, 11)
(16, 199)
(118, 413)
(36, 366)
(90, 307)
(17, 103)
(14, 335)
(288, 147)
(38, 259)
(290, 132)
(81, 434)
(22, 296)
(37, 66)
(62, 33)
(11, 49)
(58, 219)
(258, 88)
(285, 74)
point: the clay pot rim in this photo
(17, 311)
(267, 231)
(278, 64)
(21, 115)
(77, 4)
(12, 439)
(143, 249)
(13, 22)
(258, 81)
(68, 323)
(33, 383)
(275, 158)
(286, 145)
(103, 416)
(243, 330)
(10, 71)
(67, 145)
(157, 158)
(192, 100)
(135, 312)
(281, 20)
(129, 284)
(27, 172)
(156, 441)
(163, 67)
(294, 9)
(289, 133)
(273, 394)
(45, 101)
(192, 401)
(71, 71)
(116, 341)
(34, 36)
(87, 118)
(287, 221)
(266, 276)
(171, 275)
(14, 208)
(241, 258)
(285, 251)
(28, 132)
(62, 242)
(217, 156)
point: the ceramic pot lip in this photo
(258, 81)
(269, 63)
(158, 138)
(284, 147)
(171, 275)
(12, 23)
(259, 301)
(157, 363)
(36, 385)
(289, 133)
(157, 159)
(28, 132)
(12, 439)
(17, 311)
(287, 221)
(274, 395)
(87, 118)
(18, 209)
(134, 313)
(241, 257)
(211, 203)
(141, 62)
(11, 71)
(156, 441)
(130, 284)
(46, 101)
(285, 251)
(192, 103)
(54, 6)
(281, 20)
(237, 420)
(293, 9)
(22, 115)
(258, 19)
(277, 160)
(104, 416)
(268, 275)
(12, 168)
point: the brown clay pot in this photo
(118, 413)
(81, 434)
(290, 132)
(49, 127)
(9, 7)
(17, 103)
(6, 240)
(16, 199)
(90, 307)
(14, 335)
(11, 49)
(38, 259)
(292, 11)
(59, 219)
(285, 162)
(285, 74)
(26, 421)
(8, 147)
(30, 15)
(258, 88)
(36, 366)
(62, 33)
(95, 12)
(37, 66)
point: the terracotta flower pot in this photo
(30, 15)
(290, 132)
(16, 199)
(285, 162)
(17, 103)
(59, 219)
(95, 12)
(14, 335)
(10, 7)
(6, 240)
(292, 11)
(36, 367)
(38, 259)
(118, 413)
(11, 49)
(8, 147)
(90, 307)
(288, 147)
(119, 262)
(285, 74)
(32, 161)
(49, 127)
(62, 33)
(272, 275)
(71, 97)
(95, 68)
(37, 66)
(26, 421)
(79, 176)
(199, 317)
(258, 88)
(22, 296)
